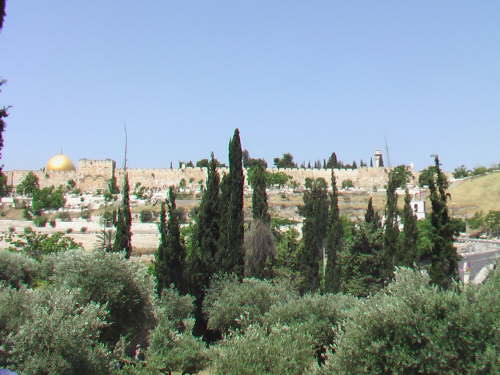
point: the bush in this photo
(282, 350)
(411, 327)
(230, 304)
(40, 221)
(346, 184)
(63, 216)
(315, 315)
(109, 278)
(52, 223)
(59, 336)
(146, 216)
(17, 269)
(83, 229)
(36, 244)
(69, 230)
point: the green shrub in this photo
(280, 350)
(64, 216)
(230, 304)
(146, 216)
(59, 336)
(346, 184)
(52, 223)
(83, 229)
(40, 221)
(413, 328)
(108, 278)
(69, 230)
(316, 315)
(36, 244)
(17, 269)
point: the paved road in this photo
(477, 262)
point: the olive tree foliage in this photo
(49, 332)
(275, 351)
(412, 327)
(17, 269)
(230, 304)
(315, 314)
(172, 344)
(108, 279)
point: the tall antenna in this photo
(387, 152)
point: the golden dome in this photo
(60, 162)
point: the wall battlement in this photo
(93, 175)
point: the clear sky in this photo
(305, 77)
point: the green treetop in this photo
(333, 242)
(123, 234)
(315, 213)
(259, 195)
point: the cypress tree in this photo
(171, 254)
(123, 234)
(363, 264)
(391, 233)
(201, 260)
(410, 234)
(160, 263)
(333, 242)
(444, 266)
(2, 12)
(259, 195)
(315, 213)
(371, 216)
(230, 256)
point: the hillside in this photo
(479, 193)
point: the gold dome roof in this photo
(60, 162)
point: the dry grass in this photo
(481, 193)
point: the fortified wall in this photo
(93, 175)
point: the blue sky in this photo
(305, 77)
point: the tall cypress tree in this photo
(230, 256)
(391, 233)
(171, 254)
(370, 212)
(333, 241)
(123, 234)
(315, 213)
(409, 255)
(2, 12)
(259, 195)
(444, 266)
(160, 262)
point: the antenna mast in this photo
(387, 152)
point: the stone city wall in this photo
(93, 175)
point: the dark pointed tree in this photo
(123, 233)
(160, 262)
(444, 263)
(259, 195)
(315, 213)
(409, 256)
(231, 254)
(333, 242)
(171, 254)
(371, 162)
(363, 262)
(200, 263)
(2, 12)
(371, 216)
(332, 161)
(391, 226)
